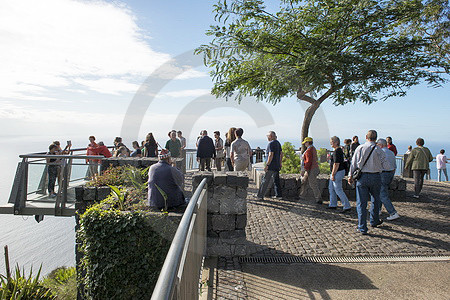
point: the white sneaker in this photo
(393, 217)
(416, 196)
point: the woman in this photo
(337, 167)
(151, 146)
(419, 161)
(354, 145)
(230, 137)
(121, 152)
(137, 150)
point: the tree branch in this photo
(301, 95)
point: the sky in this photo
(71, 69)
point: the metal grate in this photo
(340, 259)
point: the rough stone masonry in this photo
(227, 212)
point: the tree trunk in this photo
(309, 113)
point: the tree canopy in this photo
(351, 49)
(347, 50)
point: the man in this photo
(240, 152)
(174, 147)
(92, 149)
(165, 183)
(310, 170)
(370, 182)
(218, 144)
(52, 170)
(391, 146)
(205, 151)
(386, 178)
(274, 156)
(182, 140)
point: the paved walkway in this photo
(302, 228)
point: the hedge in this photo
(123, 252)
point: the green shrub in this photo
(321, 151)
(19, 286)
(324, 168)
(291, 160)
(123, 251)
(63, 283)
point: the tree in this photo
(347, 51)
(291, 160)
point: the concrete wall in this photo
(227, 212)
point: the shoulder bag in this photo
(356, 175)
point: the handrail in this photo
(164, 288)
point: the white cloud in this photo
(47, 43)
(108, 85)
(186, 93)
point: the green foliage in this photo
(116, 176)
(123, 251)
(291, 160)
(63, 283)
(321, 151)
(347, 50)
(324, 168)
(22, 287)
(122, 175)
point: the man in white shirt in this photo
(386, 178)
(372, 161)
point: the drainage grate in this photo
(340, 259)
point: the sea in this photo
(51, 243)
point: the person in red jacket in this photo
(310, 171)
(391, 146)
(92, 149)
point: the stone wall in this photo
(291, 183)
(142, 162)
(227, 212)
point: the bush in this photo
(123, 252)
(291, 160)
(121, 175)
(63, 283)
(324, 168)
(19, 286)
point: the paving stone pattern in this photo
(304, 228)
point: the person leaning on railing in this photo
(52, 170)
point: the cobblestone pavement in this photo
(304, 228)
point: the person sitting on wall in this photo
(165, 183)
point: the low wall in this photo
(227, 212)
(291, 183)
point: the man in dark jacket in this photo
(165, 183)
(205, 151)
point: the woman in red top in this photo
(310, 171)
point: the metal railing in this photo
(180, 274)
(20, 193)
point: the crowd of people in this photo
(370, 166)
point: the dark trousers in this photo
(52, 175)
(205, 162)
(267, 181)
(418, 180)
(230, 165)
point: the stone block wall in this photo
(291, 183)
(227, 212)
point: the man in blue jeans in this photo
(273, 166)
(372, 161)
(386, 178)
